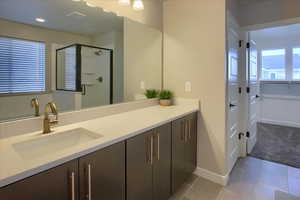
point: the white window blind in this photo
(22, 66)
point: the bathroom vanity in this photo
(151, 159)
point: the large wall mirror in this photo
(73, 54)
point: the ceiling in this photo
(58, 15)
(277, 33)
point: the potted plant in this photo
(165, 98)
(151, 93)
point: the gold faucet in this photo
(35, 104)
(50, 107)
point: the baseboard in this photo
(212, 176)
(280, 123)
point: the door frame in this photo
(245, 37)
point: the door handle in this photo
(72, 185)
(89, 194)
(257, 96)
(231, 105)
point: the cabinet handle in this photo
(89, 195)
(151, 149)
(72, 185)
(158, 146)
(182, 134)
(186, 131)
(190, 136)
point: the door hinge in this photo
(240, 43)
(248, 45)
(240, 135)
(248, 134)
(248, 89)
(240, 90)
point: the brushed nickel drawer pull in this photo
(182, 134)
(186, 131)
(73, 186)
(158, 146)
(190, 136)
(89, 183)
(151, 149)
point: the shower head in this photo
(98, 53)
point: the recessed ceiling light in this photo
(40, 20)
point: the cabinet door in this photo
(162, 163)
(191, 148)
(59, 183)
(139, 167)
(179, 172)
(102, 174)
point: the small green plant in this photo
(165, 94)
(151, 93)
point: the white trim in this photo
(282, 97)
(212, 176)
(272, 24)
(280, 123)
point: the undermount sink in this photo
(54, 142)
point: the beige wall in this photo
(142, 59)
(151, 15)
(261, 12)
(194, 50)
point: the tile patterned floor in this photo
(251, 179)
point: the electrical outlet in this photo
(188, 86)
(142, 85)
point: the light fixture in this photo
(90, 5)
(124, 2)
(138, 5)
(40, 20)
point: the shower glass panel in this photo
(86, 70)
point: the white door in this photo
(95, 76)
(233, 97)
(253, 96)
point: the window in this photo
(22, 66)
(273, 64)
(296, 63)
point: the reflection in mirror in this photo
(73, 54)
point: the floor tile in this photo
(294, 186)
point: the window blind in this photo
(22, 66)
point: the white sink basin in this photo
(54, 142)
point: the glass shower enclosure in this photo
(86, 70)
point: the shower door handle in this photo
(83, 92)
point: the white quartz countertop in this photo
(113, 129)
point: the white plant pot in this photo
(165, 102)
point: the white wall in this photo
(142, 59)
(194, 50)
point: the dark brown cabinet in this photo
(184, 149)
(102, 174)
(149, 165)
(59, 183)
